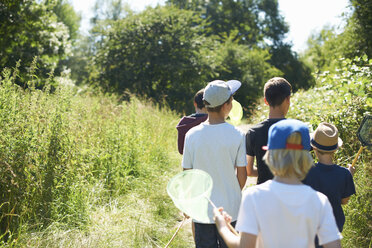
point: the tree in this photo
(327, 47)
(361, 25)
(30, 29)
(153, 54)
(65, 13)
(255, 23)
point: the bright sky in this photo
(303, 16)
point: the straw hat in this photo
(325, 138)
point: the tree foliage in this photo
(252, 23)
(326, 47)
(30, 29)
(164, 54)
(253, 20)
(154, 53)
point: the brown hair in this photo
(218, 108)
(198, 99)
(276, 90)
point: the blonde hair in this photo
(286, 162)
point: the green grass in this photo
(85, 169)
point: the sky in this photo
(303, 16)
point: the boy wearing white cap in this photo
(283, 212)
(217, 148)
(334, 181)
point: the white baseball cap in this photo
(218, 92)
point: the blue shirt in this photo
(336, 183)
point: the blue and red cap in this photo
(280, 131)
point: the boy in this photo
(193, 120)
(219, 149)
(277, 93)
(283, 212)
(334, 181)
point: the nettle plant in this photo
(343, 97)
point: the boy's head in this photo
(198, 99)
(219, 92)
(276, 90)
(325, 138)
(288, 149)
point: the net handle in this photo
(175, 233)
(232, 229)
(356, 157)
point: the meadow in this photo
(82, 168)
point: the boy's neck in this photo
(327, 160)
(276, 113)
(215, 118)
(324, 158)
(280, 111)
(288, 180)
(200, 111)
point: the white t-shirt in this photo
(284, 215)
(217, 149)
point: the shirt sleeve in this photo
(247, 218)
(249, 139)
(187, 158)
(349, 185)
(327, 230)
(241, 159)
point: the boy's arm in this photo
(242, 176)
(333, 244)
(245, 240)
(251, 171)
(352, 169)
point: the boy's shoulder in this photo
(263, 126)
(289, 193)
(224, 128)
(320, 168)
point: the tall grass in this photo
(84, 169)
(343, 97)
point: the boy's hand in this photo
(351, 168)
(186, 216)
(221, 218)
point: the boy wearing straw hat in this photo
(217, 148)
(334, 181)
(283, 212)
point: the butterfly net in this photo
(365, 131)
(236, 113)
(190, 191)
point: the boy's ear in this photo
(266, 102)
(195, 104)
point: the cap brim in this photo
(234, 85)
